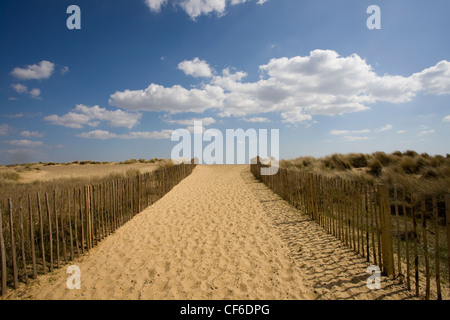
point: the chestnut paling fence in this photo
(406, 234)
(43, 231)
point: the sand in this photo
(208, 238)
(219, 234)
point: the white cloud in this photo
(361, 131)
(163, 134)
(91, 116)
(33, 134)
(195, 8)
(339, 132)
(436, 79)
(64, 70)
(355, 138)
(185, 122)
(401, 131)
(425, 132)
(173, 99)
(103, 135)
(25, 143)
(195, 68)
(97, 134)
(70, 120)
(155, 5)
(257, 119)
(43, 70)
(322, 83)
(192, 128)
(384, 128)
(19, 88)
(346, 132)
(446, 119)
(35, 93)
(295, 116)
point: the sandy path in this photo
(209, 238)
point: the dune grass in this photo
(410, 170)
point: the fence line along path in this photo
(207, 238)
(42, 231)
(406, 234)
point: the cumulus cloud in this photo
(196, 8)
(446, 119)
(436, 79)
(40, 71)
(19, 88)
(92, 116)
(321, 83)
(35, 93)
(104, 135)
(155, 5)
(174, 99)
(195, 68)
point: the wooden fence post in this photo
(386, 232)
(416, 257)
(3, 254)
(425, 248)
(405, 221)
(41, 223)
(436, 248)
(49, 232)
(22, 237)
(63, 236)
(33, 252)
(57, 229)
(13, 245)
(88, 217)
(447, 215)
(81, 220)
(313, 198)
(139, 192)
(70, 225)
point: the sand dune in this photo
(219, 234)
(40, 172)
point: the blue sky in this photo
(139, 69)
